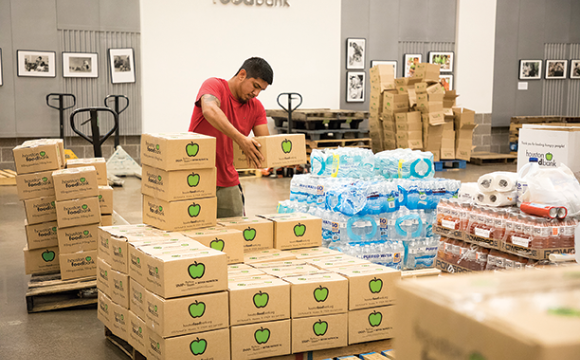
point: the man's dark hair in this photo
(258, 68)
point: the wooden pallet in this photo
(123, 345)
(334, 143)
(480, 158)
(327, 134)
(49, 292)
(318, 114)
(7, 177)
(381, 346)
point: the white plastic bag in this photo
(553, 186)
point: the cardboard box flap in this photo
(313, 278)
(245, 284)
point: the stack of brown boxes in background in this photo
(382, 79)
(169, 275)
(78, 218)
(464, 127)
(35, 161)
(105, 191)
(179, 181)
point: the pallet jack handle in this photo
(61, 108)
(117, 97)
(290, 109)
(97, 140)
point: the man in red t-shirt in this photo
(228, 110)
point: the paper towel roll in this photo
(497, 198)
(481, 198)
(485, 182)
(504, 181)
(468, 192)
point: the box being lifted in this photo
(278, 150)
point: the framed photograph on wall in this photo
(80, 65)
(36, 63)
(411, 61)
(556, 69)
(1, 79)
(355, 86)
(393, 63)
(442, 58)
(122, 65)
(530, 70)
(447, 81)
(574, 69)
(355, 53)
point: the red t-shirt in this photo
(243, 116)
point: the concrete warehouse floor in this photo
(76, 334)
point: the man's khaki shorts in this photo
(229, 201)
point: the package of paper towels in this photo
(468, 192)
(495, 198)
(501, 181)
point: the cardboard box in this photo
(213, 344)
(258, 341)
(236, 267)
(78, 265)
(254, 257)
(332, 263)
(404, 84)
(104, 309)
(103, 276)
(410, 121)
(258, 233)
(106, 220)
(179, 151)
(131, 255)
(41, 235)
(186, 315)
(38, 155)
(278, 150)
(137, 333)
(429, 72)
(120, 288)
(321, 332)
(382, 77)
(230, 241)
(179, 215)
(296, 230)
(436, 89)
(449, 99)
(421, 88)
(318, 294)
(120, 321)
(395, 103)
(257, 301)
(410, 140)
(244, 273)
(40, 210)
(434, 118)
(370, 285)
(314, 253)
(78, 238)
(106, 200)
(285, 271)
(99, 164)
(178, 185)
(193, 273)
(75, 183)
(35, 185)
(516, 315)
(448, 145)
(41, 261)
(137, 298)
(371, 324)
(275, 264)
(78, 212)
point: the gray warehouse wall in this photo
(535, 29)
(393, 28)
(65, 26)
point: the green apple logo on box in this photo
(196, 309)
(48, 256)
(194, 210)
(320, 327)
(375, 319)
(54, 229)
(191, 149)
(476, 356)
(261, 299)
(198, 346)
(262, 335)
(88, 258)
(217, 244)
(83, 180)
(196, 270)
(193, 179)
(549, 156)
(86, 232)
(249, 234)
(299, 229)
(376, 285)
(320, 294)
(42, 153)
(84, 206)
(286, 146)
(44, 179)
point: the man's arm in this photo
(261, 130)
(210, 107)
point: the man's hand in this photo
(250, 147)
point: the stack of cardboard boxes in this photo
(35, 161)
(417, 113)
(179, 181)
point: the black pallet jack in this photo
(288, 171)
(96, 139)
(117, 98)
(61, 108)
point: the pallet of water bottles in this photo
(505, 229)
